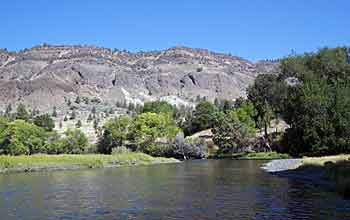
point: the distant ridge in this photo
(45, 76)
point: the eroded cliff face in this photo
(44, 76)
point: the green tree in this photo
(78, 124)
(54, 144)
(262, 95)
(230, 134)
(227, 105)
(44, 121)
(115, 132)
(74, 142)
(89, 119)
(148, 127)
(54, 112)
(242, 117)
(93, 110)
(3, 126)
(204, 117)
(8, 110)
(77, 100)
(95, 124)
(217, 102)
(131, 106)
(159, 107)
(22, 113)
(317, 108)
(21, 137)
(72, 115)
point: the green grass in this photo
(19, 163)
(254, 155)
(320, 161)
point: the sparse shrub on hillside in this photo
(93, 110)
(131, 106)
(95, 123)
(86, 100)
(8, 110)
(21, 113)
(54, 112)
(89, 119)
(72, 115)
(78, 124)
(95, 100)
(77, 100)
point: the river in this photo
(204, 189)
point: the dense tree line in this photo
(158, 130)
(312, 94)
(25, 133)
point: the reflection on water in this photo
(222, 189)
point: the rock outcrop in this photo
(45, 76)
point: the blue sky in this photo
(253, 29)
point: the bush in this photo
(159, 107)
(115, 132)
(74, 142)
(149, 128)
(21, 137)
(230, 134)
(204, 117)
(54, 144)
(44, 121)
(120, 150)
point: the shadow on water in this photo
(332, 176)
(204, 189)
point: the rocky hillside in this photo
(46, 76)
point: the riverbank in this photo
(43, 162)
(251, 156)
(332, 172)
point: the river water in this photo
(207, 189)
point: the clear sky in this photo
(254, 29)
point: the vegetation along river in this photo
(204, 189)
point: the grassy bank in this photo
(335, 169)
(43, 162)
(252, 156)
